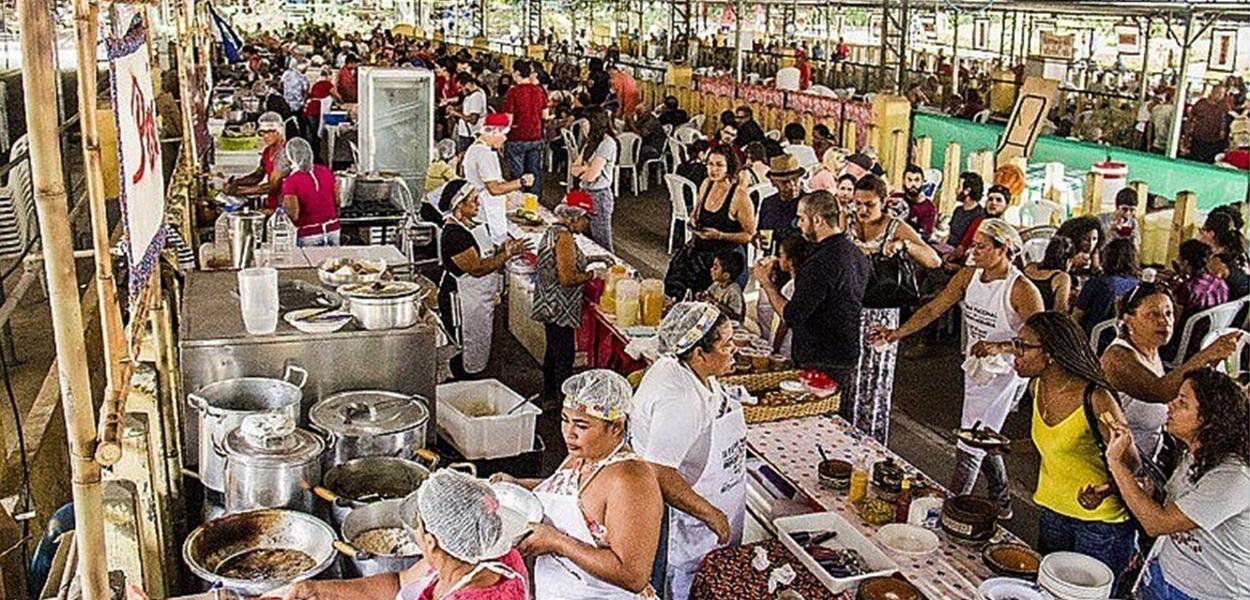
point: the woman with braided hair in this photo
(1079, 512)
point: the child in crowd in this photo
(725, 291)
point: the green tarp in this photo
(1214, 185)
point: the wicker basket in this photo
(757, 383)
(809, 407)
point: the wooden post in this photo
(848, 137)
(981, 162)
(898, 159)
(1182, 221)
(38, 79)
(1092, 202)
(923, 152)
(950, 179)
(1143, 201)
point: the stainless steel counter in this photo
(213, 345)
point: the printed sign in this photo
(1058, 46)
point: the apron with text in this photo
(988, 316)
(477, 306)
(723, 484)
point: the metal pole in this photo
(1182, 90)
(1143, 86)
(67, 325)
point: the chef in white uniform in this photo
(602, 507)
(694, 434)
(484, 173)
(471, 264)
(996, 300)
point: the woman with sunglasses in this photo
(1135, 368)
(996, 300)
(1070, 396)
(1203, 523)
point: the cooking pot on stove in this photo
(371, 423)
(367, 559)
(360, 482)
(383, 304)
(969, 518)
(271, 464)
(278, 534)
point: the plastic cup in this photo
(258, 299)
(531, 202)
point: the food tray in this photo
(760, 382)
(778, 412)
(877, 563)
(485, 437)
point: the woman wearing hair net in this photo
(602, 506)
(465, 555)
(694, 435)
(308, 196)
(996, 300)
(266, 180)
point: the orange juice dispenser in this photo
(607, 301)
(652, 294)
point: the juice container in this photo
(858, 489)
(652, 294)
(903, 506)
(626, 302)
(531, 202)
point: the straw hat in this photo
(784, 166)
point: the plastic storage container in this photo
(876, 561)
(493, 435)
(626, 302)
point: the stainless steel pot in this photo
(345, 186)
(222, 406)
(271, 464)
(374, 560)
(215, 546)
(383, 304)
(247, 229)
(362, 481)
(371, 423)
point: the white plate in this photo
(519, 499)
(793, 386)
(908, 539)
(1003, 588)
(296, 320)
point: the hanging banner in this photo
(139, 150)
(1053, 45)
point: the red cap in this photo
(580, 199)
(499, 120)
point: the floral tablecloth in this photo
(953, 571)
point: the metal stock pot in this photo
(371, 423)
(380, 520)
(360, 482)
(224, 404)
(383, 304)
(271, 464)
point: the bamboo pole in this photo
(950, 179)
(185, 53)
(1182, 222)
(1092, 203)
(1143, 201)
(38, 78)
(924, 152)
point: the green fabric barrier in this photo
(1215, 186)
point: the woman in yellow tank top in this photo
(1079, 510)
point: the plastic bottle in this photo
(221, 227)
(281, 233)
(858, 489)
(902, 508)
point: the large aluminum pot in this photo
(375, 541)
(383, 304)
(271, 464)
(357, 483)
(222, 406)
(371, 423)
(272, 539)
(345, 186)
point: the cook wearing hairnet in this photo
(997, 300)
(460, 528)
(266, 180)
(602, 507)
(308, 196)
(694, 436)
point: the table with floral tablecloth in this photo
(954, 570)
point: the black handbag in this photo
(893, 283)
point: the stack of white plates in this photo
(1010, 588)
(1073, 576)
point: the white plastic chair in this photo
(981, 117)
(697, 122)
(1100, 331)
(677, 186)
(1232, 366)
(677, 152)
(1216, 318)
(644, 170)
(773, 135)
(629, 145)
(758, 192)
(1036, 239)
(687, 135)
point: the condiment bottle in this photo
(859, 480)
(902, 508)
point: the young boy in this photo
(725, 291)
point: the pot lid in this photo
(369, 412)
(379, 289)
(272, 439)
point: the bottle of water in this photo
(281, 233)
(221, 227)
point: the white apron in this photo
(557, 577)
(414, 590)
(988, 316)
(477, 306)
(723, 484)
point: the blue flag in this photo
(231, 43)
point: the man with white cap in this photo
(996, 301)
(602, 507)
(465, 541)
(485, 174)
(267, 179)
(694, 435)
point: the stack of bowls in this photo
(1074, 576)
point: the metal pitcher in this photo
(247, 230)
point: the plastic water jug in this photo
(627, 302)
(281, 233)
(221, 227)
(652, 293)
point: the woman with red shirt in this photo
(308, 197)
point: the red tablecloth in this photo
(727, 574)
(605, 344)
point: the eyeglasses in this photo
(1020, 346)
